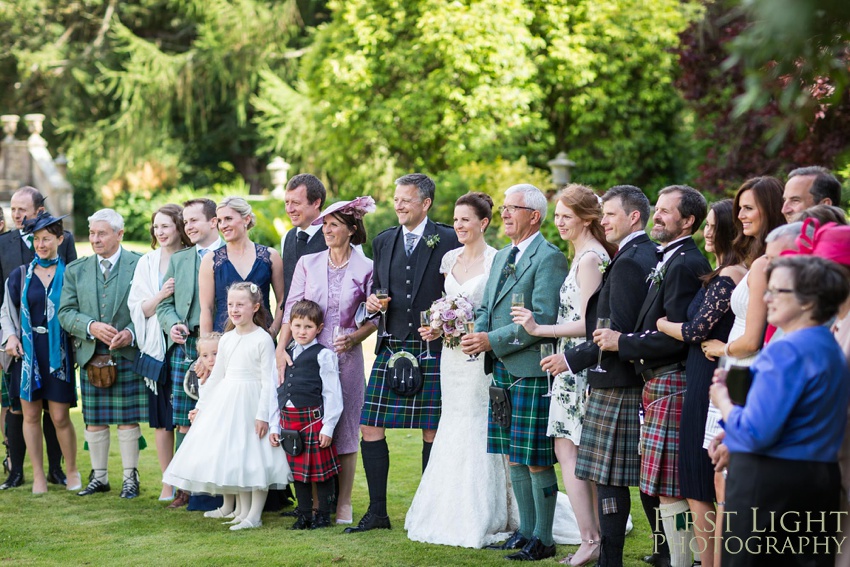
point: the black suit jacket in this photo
(647, 347)
(290, 258)
(619, 298)
(428, 282)
(13, 253)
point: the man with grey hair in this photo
(94, 310)
(782, 238)
(403, 391)
(807, 187)
(523, 274)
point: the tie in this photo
(510, 268)
(203, 252)
(409, 241)
(28, 241)
(107, 265)
(659, 253)
(301, 241)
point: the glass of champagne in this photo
(425, 320)
(547, 349)
(384, 297)
(601, 323)
(338, 333)
(517, 300)
(469, 326)
(186, 358)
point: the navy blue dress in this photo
(709, 317)
(52, 389)
(226, 275)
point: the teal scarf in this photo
(30, 376)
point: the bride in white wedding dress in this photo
(465, 498)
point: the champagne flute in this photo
(383, 296)
(338, 333)
(517, 300)
(601, 323)
(186, 358)
(425, 319)
(470, 328)
(547, 349)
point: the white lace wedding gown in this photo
(465, 498)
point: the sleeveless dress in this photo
(566, 407)
(226, 275)
(221, 453)
(465, 497)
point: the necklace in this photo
(466, 264)
(341, 266)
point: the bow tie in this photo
(660, 251)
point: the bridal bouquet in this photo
(449, 314)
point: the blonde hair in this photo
(208, 338)
(242, 207)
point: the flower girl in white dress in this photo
(225, 451)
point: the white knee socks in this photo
(679, 539)
(128, 442)
(98, 442)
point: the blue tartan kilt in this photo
(384, 408)
(525, 442)
(181, 403)
(123, 403)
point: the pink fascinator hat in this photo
(357, 208)
(830, 241)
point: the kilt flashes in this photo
(663, 397)
(608, 453)
(384, 408)
(314, 464)
(124, 403)
(525, 442)
(181, 404)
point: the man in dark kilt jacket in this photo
(407, 263)
(608, 453)
(536, 268)
(179, 314)
(660, 359)
(94, 311)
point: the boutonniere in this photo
(432, 241)
(510, 270)
(603, 266)
(656, 275)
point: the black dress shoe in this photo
(370, 521)
(57, 476)
(289, 513)
(657, 560)
(130, 489)
(516, 541)
(534, 550)
(321, 520)
(14, 480)
(304, 522)
(93, 486)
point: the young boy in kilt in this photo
(310, 403)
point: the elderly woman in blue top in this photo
(43, 367)
(783, 484)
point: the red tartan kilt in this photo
(314, 464)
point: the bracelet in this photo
(726, 349)
(553, 332)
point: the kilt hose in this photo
(314, 464)
(123, 403)
(663, 397)
(525, 441)
(181, 404)
(384, 408)
(608, 453)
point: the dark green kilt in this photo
(123, 403)
(180, 402)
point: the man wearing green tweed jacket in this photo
(94, 311)
(535, 268)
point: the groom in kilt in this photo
(179, 316)
(407, 263)
(535, 268)
(94, 311)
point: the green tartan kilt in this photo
(5, 400)
(177, 367)
(123, 403)
(525, 442)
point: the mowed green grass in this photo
(60, 528)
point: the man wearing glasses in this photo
(528, 267)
